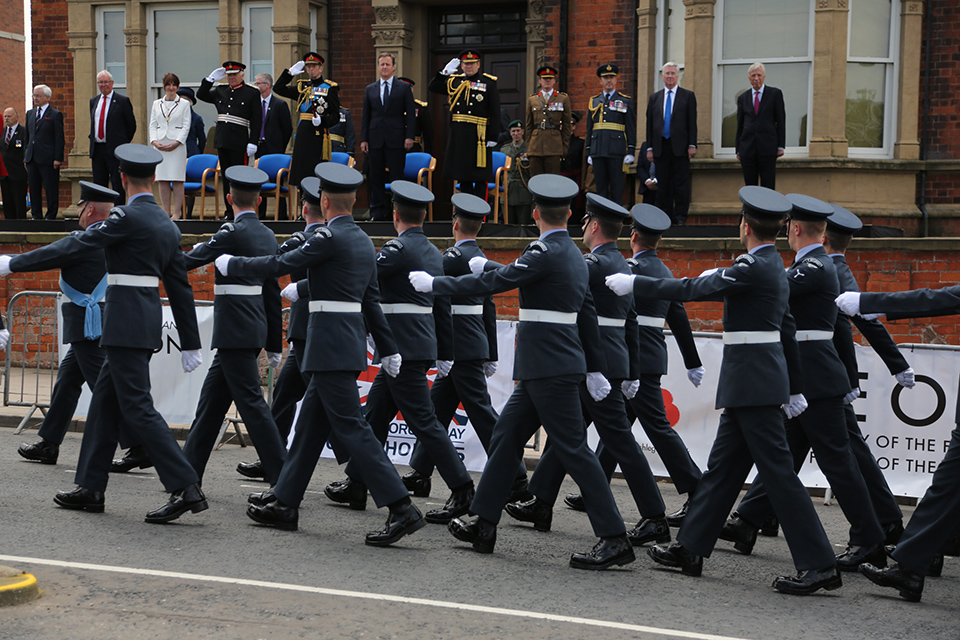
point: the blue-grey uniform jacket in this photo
(613, 311)
(474, 336)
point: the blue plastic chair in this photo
(277, 167)
(202, 168)
(419, 168)
(342, 158)
(499, 171)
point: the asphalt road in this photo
(216, 575)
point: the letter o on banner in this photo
(920, 422)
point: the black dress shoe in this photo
(952, 548)
(275, 514)
(607, 553)
(250, 469)
(649, 530)
(519, 491)
(853, 556)
(397, 525)
(574, 501)
(770, 527)
(349, 492)
(457, 504)
(741, 533)
(480, 533)
(677, 556)
(892, 532)
(909, 584)
(81, 498)
(189, 499)
(536, 511)
(417, 484)
(43, 452)
(809, 581)
(134, 457)
(675, 519)
(262, 498)
(935, 570)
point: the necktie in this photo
(103, 116)
(667, 113)
(9, 135)
(606, 97)
(756, 102)
(386, 92)
(263, 118)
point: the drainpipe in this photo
(562, 62)
(924, 122)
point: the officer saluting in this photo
(611, 133)
(142, 247)
(548, 126)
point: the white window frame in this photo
(892, 62)
(246, 7)
(154, 86)
(661, 43)
(101, 60)
(314, 25)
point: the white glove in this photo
(849, 302)
(695, 375)
(872, 316)
(421, 281)
(391, 364)
(451, 67)
(198, 244)
(191, 360)
(598, 386)
(317, 120)
(630, 388)
(590, 160)
(221, 262)
(251, 149)
(290, 349)
(290, 292)
(906, 378)
(629, 159)
(796, 406)
(489, 368)
(708, 272)
(620, 283)
(5, 266)
(477, 264)
(4, 338)
(273, 359)
(217, 74)
(297, 68)
(371, 345)
(852, 395)
(443, 368)
(491, 143)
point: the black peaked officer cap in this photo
(243, 178)
(468, 205)
(843, 221)
(808, 208)
(137, 160)
(310, 186)
(763, 203)
(232, 66)
(609, 69)
(410, 195)
(337, 178)
(312, 57)
(552, 190)
(649, 219)
(407, 80)
(90, 192)
(600, 207)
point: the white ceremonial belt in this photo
(225, 117)
(750, 337)
(237, 289)
(807, 335)
(125, 280)
(404, 307)
(650, 321)
(611, 322)
(544, 315)
(334, 306)
(466, 309)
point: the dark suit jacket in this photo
(388, 125)
(764, 132)
(279, 127)
(120, 124)
(45, 140)
(643, 174)
(683, 122)
(197, 138)
(13, 153)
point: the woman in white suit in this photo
(169, 125)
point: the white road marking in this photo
(533, 615)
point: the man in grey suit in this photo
(44, 154)
(761, 129)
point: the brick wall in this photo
(942, 33)
(12, 52)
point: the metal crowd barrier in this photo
(31, 308)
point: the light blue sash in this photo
(91, 321)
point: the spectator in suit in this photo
(276, 126)
(761, 129)
(672, 136)
(44, 154)
(196, 137)
(112, 124)
(646, 175)
(387, 129)
(13, 186)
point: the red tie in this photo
(103, 115)
(756, 102)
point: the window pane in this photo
(866, 91)
(185, 43)
(114, 46)
(675, 31)
(261, 41)
(762, 29)
(792, 78)
(870, 28)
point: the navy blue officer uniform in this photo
(344, 301)
(754, 381)
(611, 135)
(343, 135)
(822, 427)
(423, 140)
(246, 319)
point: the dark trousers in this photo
(884, 503)
(478, 189)
(229, 158)
(44, 179)
(332, 406)
(937, 518)
(410, 393)
(289, 390)
(647, 406)
(379, 160)
(122, 395)
(608, 177)
(759, 168)
(748, 436)
(673, 183)
(554, 403)
(14, 193)
(106, 170)
(610, 417)
(234, 376)
(81, 364)
(822, 427)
